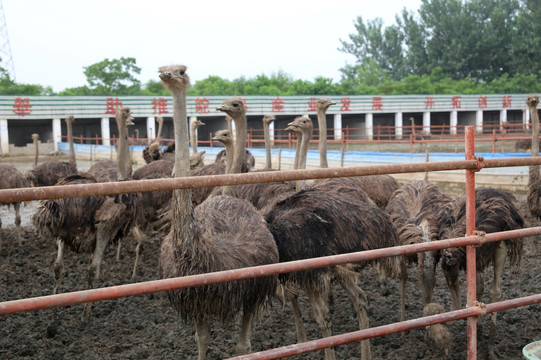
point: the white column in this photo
(151, 127)
(337, 125)
(503, 119)
(526, 118)
(105, 132)
(57, 133)
(426, 122)
(479, 121)
(453, 122)
(398, 125)
(369, 126)
(4, 138)
(271, 132)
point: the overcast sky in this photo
(52, 41)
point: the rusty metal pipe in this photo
(69, 191)
(356, 336)
(471, 279)
(114, 292)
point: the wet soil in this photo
(146, 327)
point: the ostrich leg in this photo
(17, 207)
(141, 238)
(360, 304)
(320, 307)
(495, 293)
(202, 337)
(94, 268)
(58, 270)
(244, 345)
(58, 267)
(453, 284)
(297, 314)
(403, 279)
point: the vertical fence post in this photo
(470, 250)
(493, 141)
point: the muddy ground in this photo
(146, 327)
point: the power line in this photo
(6, 61)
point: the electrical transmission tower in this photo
(6, 61)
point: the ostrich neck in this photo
(306, 136)
(182, 224)
(268, 162)
(193, 138)
(159, 135)
(72, 161)
(229, 159)
(240, 144)
(123, 161)
(36, 154)
(322, 121)
(305, 141)
(534, 169)
(298, 146)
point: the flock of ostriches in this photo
(207, 230)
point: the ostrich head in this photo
(159, 120)
(267, 119)
(223, 136)
(233, 108)
(197, 123)
(154, 149)
(324, 103)
(70, 119)
(197, 160)
(35, 137)
(174, 77)
(532, 100)
(124, 113)
(301, 123)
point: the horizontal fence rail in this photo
(332, 341)
(114, 292)
(132, 186)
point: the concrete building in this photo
(366, 116)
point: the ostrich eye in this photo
(235, 104)
(182, 72)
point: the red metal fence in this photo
(381, 134)
(471, 164)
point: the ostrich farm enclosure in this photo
(146, 327)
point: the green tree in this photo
(113, 77)
(377, 45)
(9, 87)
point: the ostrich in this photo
(152, 151)
(317, 222)
(534, 183)
(248, 162)
(322, 106)
(267, 120)
(412, 210)
(88, 224)
(314, 223)
(222, 233)
(11, 178)
(48, 173)
(495, 212)
(439, 333)
(193, 133)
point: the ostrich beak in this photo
(165, 75)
